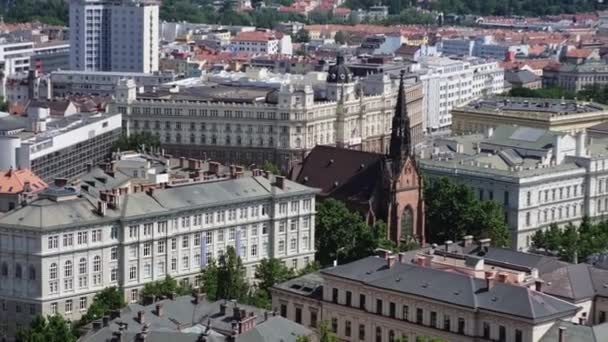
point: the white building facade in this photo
(449, 83)
(114, 35)
(56, 266)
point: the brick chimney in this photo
(279, 181)
(141, 318)
(391, 261)
(159, 310)
(214, 168)
(484, 242)
(490, 280)
(538, 285)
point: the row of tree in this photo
(596, 92)
(573, 243)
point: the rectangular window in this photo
(349, 296)
(379, 306)
(133, 272)
(519, 336)
(334, 295)
(419, 316)
(447, 324)
(313, 318)
(361, 332)
(185, 241)
(132, 232)
(392, 310)
(406, 313)
(347, 328)
(185, 263)
(68, 306)
(161, 247)
(461, 325)
(197, 239)
(173, 244)
(362, 301)
(298, 315)
(433, 319)
(502, 333)
(334, 325)
(284, 310)
(602, 317)
(83, 303)
(147, 249)
(53, 242)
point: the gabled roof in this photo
(520, 77)
(576, 332)
(334, 170)
(15, 181)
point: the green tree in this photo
(271, 167)
(231, 277)
(453, 211)
(341, 37)
(136, 141)
(50, 329)
(110, 298)
(4, 105)
(302, 36)
(164, 288)
(209, 279)
(309, 268)
(270, 272)
(326, 334)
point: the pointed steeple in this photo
(401, 140)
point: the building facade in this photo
(538, 176)
(50, 56)
(573, 77)
(385, 298)
(55, 264)
(254, 124)
(449, 83)
(56, 147)
(114, 35)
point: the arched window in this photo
(18, 272)
(53, 271)
(82, 266)
(4, 269)
(407, 221)
(32, 273)
(96, 263)
(67, 269)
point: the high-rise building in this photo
(114, 35)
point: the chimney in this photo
(448, 244)
(538, 285)
(267, 174)
(89, 167)
(503, 277)
(562, 334)
(182, 162)
(140, 317)
(150, 191)
(159, 309)
(391, 261)
(467, 240)
(223, 309)
(402, 258)
(484, 242)
(199, 298)
(97, 325)
(105, 321)
(420, 260)
(383, 253)
(102, 207)
(114, 314)
(172, 295)
(236, 313)
(279, 181)
(60, 182)
(490, 280)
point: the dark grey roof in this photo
(572, 282)
(577, 333)
(453, 288)
(183, 319)
(520, 77)
(309, 285)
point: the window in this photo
(298, 315)
(68, 306)
(486, 330)
(82, 266)
(174, 264)
(96, 235)
(361, 332)
(114, 253)
(313, 318)
(54, 308)
(518, 336)
(502, 333)
(334, 295)
(284, 310)
(446, 323)
(147, 270)
(197, 239)
(362, 301)
(32, 273)
(83, 303)
(68, 240)
(349, 296)
(147, 249)
(281, 246)
(173, 244)
(161, 247)
(113, 274)
(134, 295)
(406, 313)
(53, 242)
(162, 227)
(283, 208)
(114, 233)
(132, 232)
(379, 306)
(293, 244)
(334, 325)
(18, 272)
(133, 272)
(347, 328)
(133, 251)
(602, 317)
(461, 325)
(392, 310)
(67, 269)
(147, 229)
(378, 334)
(208, 238)
(83, 238)
(419, 316)
(185, 263)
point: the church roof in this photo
(339, 73)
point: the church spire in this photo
(400, 145)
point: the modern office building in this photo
(457, 292)
(114, 35)
(57, 252)
(56, 147)
(100, 83)
(557, 115)
(540, 177)
(449, 83)
(270, 121)
(15, 56)
(50, 56)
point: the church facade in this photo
(383, 187)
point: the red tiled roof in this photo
(255, 36)
(14, 181)
(578, 53)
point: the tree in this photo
(50, 329)
(136, 141)
(302, 36)
(4, 105)
(341, 37)
(453, 211)
(231, 277)
(209, 279)
(311, 267)
(110, 298)
(326, 334)
(268, 166)
(270, 272)
(342, 235)
(164, 288)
